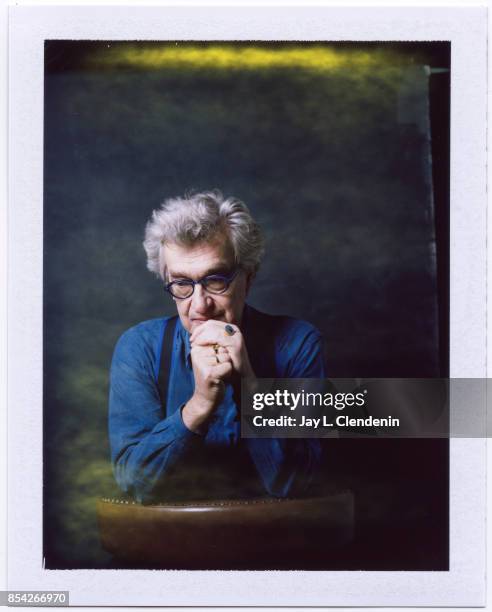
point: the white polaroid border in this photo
(464, 584)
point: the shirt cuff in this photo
(180, 428)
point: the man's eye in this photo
(215, 283)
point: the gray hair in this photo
(199, 217)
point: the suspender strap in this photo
(166, 356)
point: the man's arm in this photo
(145, 447)
(147, 450)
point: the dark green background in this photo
(333, 163)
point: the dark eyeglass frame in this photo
(228, 279)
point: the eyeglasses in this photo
(215, 284)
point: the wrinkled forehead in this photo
(197, 260)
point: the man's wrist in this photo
(196, 414)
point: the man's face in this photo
(196, 262)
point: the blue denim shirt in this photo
(154, 455)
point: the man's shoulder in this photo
(144, 337)
(294, 345)
(145, 329)
(283, 326)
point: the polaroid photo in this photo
(202, 200)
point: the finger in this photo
(210, 360)
(201, 329)
(223, 370)
(235, 360)
(216, 336)
(223, 357)
(212, 336)
(200, 352)
(220, 354)
(213, 329)
(204, 354)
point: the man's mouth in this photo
(199, 320)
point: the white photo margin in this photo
(30, 26)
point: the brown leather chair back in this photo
(233, 534)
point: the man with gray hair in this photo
(174, 396)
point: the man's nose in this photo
(201, 300)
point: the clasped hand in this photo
(216, 357)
